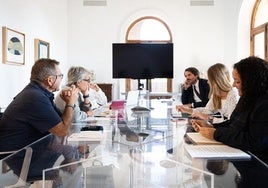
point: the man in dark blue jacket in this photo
(195, 90)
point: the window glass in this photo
(261, 16)
(259, 45)
(259, 25)
(149, 29)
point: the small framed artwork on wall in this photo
(41, 49)
(13, 46)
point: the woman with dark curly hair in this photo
(247, 128)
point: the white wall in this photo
(83, 36)
(202, 35)
(46, 20)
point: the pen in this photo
(195, 118)
(177, 118)
(216, 116)
(100, 116)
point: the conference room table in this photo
(134, 150)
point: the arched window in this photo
(152, 30)
(258, 30)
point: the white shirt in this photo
(97, 98)
(196, 98)
(228, 105)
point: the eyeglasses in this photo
(86, 80)
(59, 75)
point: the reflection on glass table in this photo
(126, 158)
(27, 164)
(142, 166)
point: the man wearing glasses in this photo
(32, 114)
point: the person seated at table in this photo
(79, 77)
(247, 128)
(33, 115)
(96, 95)
(195, 89)
(90, 95)
(223, 98)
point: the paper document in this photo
(132, 98)
(215, 152)
(86, 136)
(101, 112)
(178, 121)
(197, 138)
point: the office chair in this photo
(26, 163)
(23, 179)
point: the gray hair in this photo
(76, 74)
(42, 69)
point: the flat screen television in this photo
(142, 60)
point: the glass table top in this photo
(145, 150)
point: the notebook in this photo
(87, 136)
(197, 138)
(215, 152)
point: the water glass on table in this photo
(113, 117)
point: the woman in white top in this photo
(223, 97)
(90, 95)
(80, 77)
(96, 96)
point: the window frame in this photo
(127, 40)
(254, 31)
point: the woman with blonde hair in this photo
(223, 97)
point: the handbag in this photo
(99, 175)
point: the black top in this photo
(247, 130)
(187, 96)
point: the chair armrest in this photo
(24, 170)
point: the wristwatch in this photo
(85, 96)
(71, 106)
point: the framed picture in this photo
(41, 49)
(13, 47)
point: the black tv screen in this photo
(142, 60)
